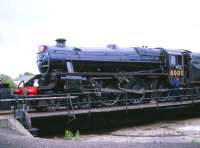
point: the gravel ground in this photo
(169, 131)
(15, 141)
(173, 134)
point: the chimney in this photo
(60, 42)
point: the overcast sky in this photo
(26, 24)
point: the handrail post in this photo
(126, 101)
(89, 97)
(71, 105)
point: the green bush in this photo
(9, 80)
(77, 135)
(69, 135)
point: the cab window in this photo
(179, 60)
(175, 60)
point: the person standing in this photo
(176, 86)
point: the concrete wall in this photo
(11, 123)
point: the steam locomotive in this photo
(142, 72)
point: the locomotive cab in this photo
(179, 66)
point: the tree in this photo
(9, 80)
(28, 74)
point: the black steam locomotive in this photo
(141, 72)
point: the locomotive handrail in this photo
(38, 98)
(111, 90)
(111, 73)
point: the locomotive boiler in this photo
(61, 58)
